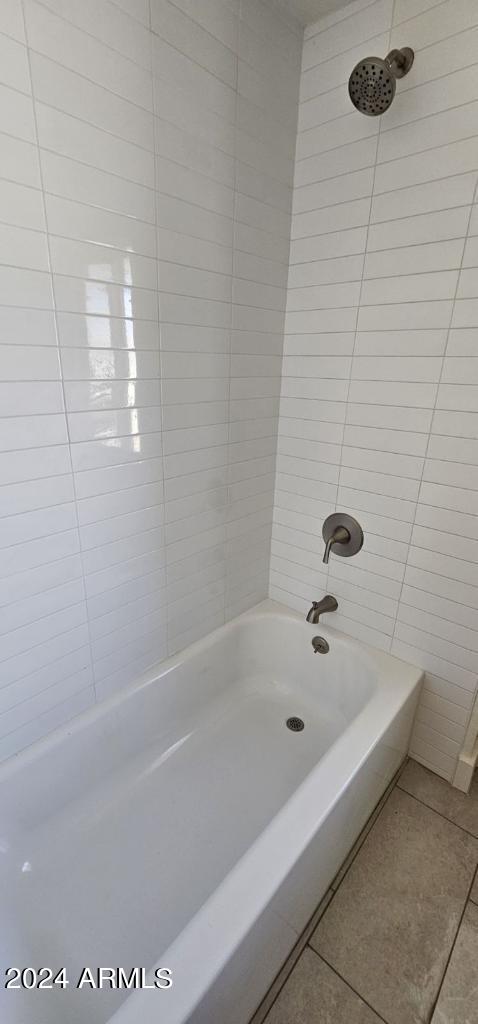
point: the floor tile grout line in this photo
(440, 815)
(467, 900)
(347, 983)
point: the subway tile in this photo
(424, 198)
(396, 368)
(397, 509)
(383, 462)
(427, 98)
(30, 397)
(406, 315)
(14, 63)
(22, 248)
(101, 331)
(341, 189)
(16, 114)
(20, 161)
(384, 392)
(71, 137)
(74, 94)
(193, 40)
(76, 220)
(374, 439)
(353, 156)
(426, 132)
(339, 37)
(89, 260)
(456, 424)
(435, 165)
(452, 568)
(19, 432)
(26, 527)
(454, 449)
(29, 362)
(71, 181)
(345, 215)
(49, 35)
(13, 20)
(104, 299)
(444, 520)
(107, 23)
(410, 288)
(454, 613)
(389, 416)
(21, 206)
(401, 343)
(452, 17)
(415, 259)
(416, 229)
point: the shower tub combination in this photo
(182, 825)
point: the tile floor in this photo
(395, 940)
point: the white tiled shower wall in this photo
(379, 407)
(146, 172)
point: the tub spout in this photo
(327, 604)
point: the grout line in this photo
(467, 900)
(435, 811)
(347, 983)
(407, 245)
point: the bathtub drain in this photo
(295, 724)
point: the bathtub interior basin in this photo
(119, 830)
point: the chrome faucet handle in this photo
(342, 534)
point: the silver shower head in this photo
(373, 81)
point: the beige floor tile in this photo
(462, 808)
(314, 994)
(458, 1002)
(391, 925)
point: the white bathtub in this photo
(182, 825)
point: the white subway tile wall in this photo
(379, 405)
(145, 192)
